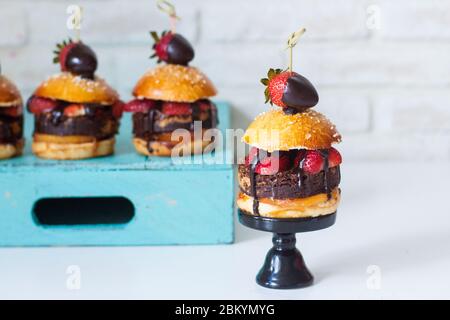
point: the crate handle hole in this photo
(83, 211)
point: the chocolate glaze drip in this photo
(299, 93)
(326, 166)
(151, 122)
(57, 114)
(145, 125)
(253, 165)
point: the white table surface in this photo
(393, 216)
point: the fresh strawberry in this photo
(273, 164)
(62, 51)
(77, 58)
(37, 105)
(161, 45)
(205, 105)
(172, 48)
(74, 110)
(12, 111)
(117, 109)
(313, 162)
(139, 105)
(276, 83)
(334, 158)
(176, 108)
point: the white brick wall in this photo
(388, 89)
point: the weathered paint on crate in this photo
(174, 204)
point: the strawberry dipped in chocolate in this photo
(172, 48)
(172, 96)
(77, 114)
(292, 169)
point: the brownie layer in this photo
(11, 129)
(98, 122)
(290, 184)
(154, 121)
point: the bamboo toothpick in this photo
(292, 41)
(75, 19)
(169, 8)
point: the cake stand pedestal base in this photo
(284, 267)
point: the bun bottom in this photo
(73, 151)
(314, 206)
(8, 151)
(165, 148)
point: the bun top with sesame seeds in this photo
(74, 88)
(9, 94)
(275, 130)
(175, 83)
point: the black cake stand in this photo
(284, 267)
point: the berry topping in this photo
(276, 83)
(117, 109)
(313, 162)
(76, 58)
(205, 105)
(37, 105)
(74, 110)
(176, 108)
(139, 105)
(289, 90)
(334, 158)
(12, 111)
(172, 48)
(272, 164)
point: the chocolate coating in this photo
(288, 184)
(82, 60)
(11, 129)
(299, 93)
(179, 50)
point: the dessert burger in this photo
(292, 170)
(77, 114)
(172, 96)
(11, 120)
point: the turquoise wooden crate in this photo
(171, 203)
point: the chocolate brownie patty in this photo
(11, 129)
(100, 124)
(288, 184)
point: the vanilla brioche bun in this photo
(175, 83)
(72, 151)
(314, 206)
(274, 130)
(11, 150)
(9, 94)
(68, 87)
